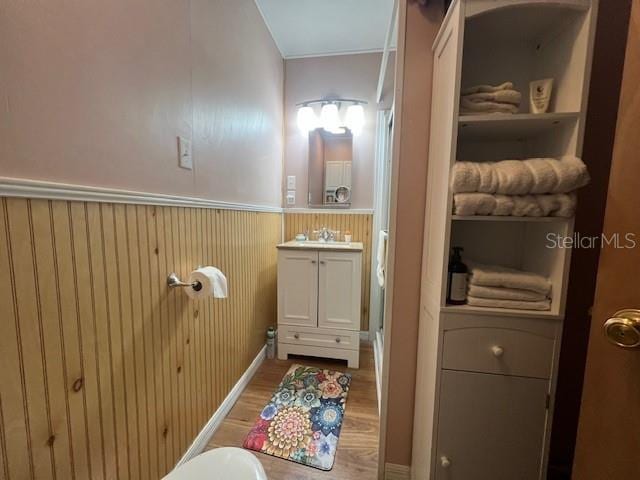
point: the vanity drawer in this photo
(319, 337)
(498, 350)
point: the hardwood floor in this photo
(357, 455)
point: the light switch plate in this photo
(291, 197)
(185, 157)
(291, 182)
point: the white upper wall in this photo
(324, 27)
(96, 92)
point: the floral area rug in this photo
(303, 419)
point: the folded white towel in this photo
(468, 107)
(487, 88)
(498, 276)
(520, 177)
(502, 96)
(501, 293)
(552, 205)
(381, 257)
(514, 304)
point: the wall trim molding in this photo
(331, 211)
(394, 471)
(219, 415)
(24, 188)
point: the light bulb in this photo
(307, 119)
(355, 118)
(330, 118)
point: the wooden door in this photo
(339, 290)
(298, 287)
(608, 445)
(490, 427)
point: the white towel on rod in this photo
(381, 257)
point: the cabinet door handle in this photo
(497, 351)
(445, 462)
(337, 339)
(313, 261)
(322, 262)
(296, 336)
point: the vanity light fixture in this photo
(329, 118)
(354, 118)
(307, 120)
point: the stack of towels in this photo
(536, 187)
(501, 287)
(481, 99)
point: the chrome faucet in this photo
(326, 235)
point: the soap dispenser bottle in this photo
(457, 279)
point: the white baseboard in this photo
(393, 471)
(219, 415)
(377, 358)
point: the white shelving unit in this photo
(475, 359)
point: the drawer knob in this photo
(337, 339)
(296, 336)
(445, 462)
(497, 351)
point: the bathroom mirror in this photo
(330, 158)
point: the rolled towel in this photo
(488, 180)
(545, 178)
(513, 304)
(571, 173)
(467, 204)
(526, 206)
(487, 88)
(498, 276)
(513, 177)
(550, 205)
(501, 96)
(504, 205)
(465, 177)
(472, 108)
(499, 293)
(566, 205)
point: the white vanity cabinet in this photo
(319, 298)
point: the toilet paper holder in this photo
(174, 281)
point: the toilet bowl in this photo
(220, 464)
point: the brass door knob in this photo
(623, 329)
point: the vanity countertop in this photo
(315, 245)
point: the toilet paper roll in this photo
(212, 283)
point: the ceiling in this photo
(303, 28)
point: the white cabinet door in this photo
(339, 290)
(298, 287)
(490, 427)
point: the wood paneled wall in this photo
(360, 226)
(106, 373)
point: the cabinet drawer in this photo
(319, 337)
(498, 350)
